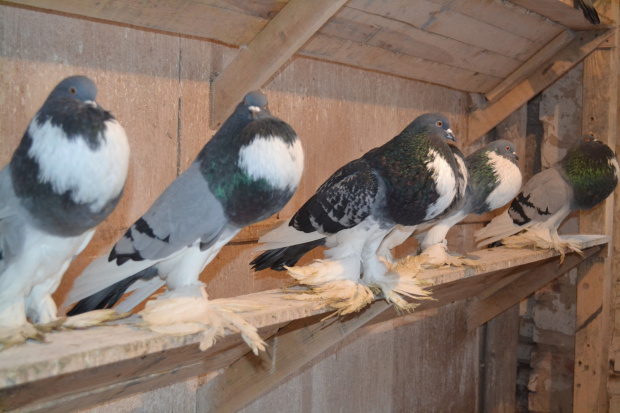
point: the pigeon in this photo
(65, 177)
(589, 12)
(585, 177)
(494, 180)
(401, 233)
(247, 172)
(409, 180)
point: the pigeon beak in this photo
(450, 135)
(515, 155)
(254, 110)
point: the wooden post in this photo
(594, 285)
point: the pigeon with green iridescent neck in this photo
(409, 180)
(494, 178)
(401, 233)
(247, 172)
(584, 178)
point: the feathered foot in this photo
(93, 318)
(330, 285)
(536, 237)
(344, 296)
(13, 336)
(439, 256)
(400, 281)
(182, 315)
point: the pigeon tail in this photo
(500, 227)
(279, 258)
(285, 236)
(589, 12)
(109, 296)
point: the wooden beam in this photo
(533, 63)
(498, 379)
(595, 283)
(481, 311)
(484, 119)
(267, 52)
(207, 19)
(292, 348)
(561, 11)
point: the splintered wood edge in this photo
(71, 351)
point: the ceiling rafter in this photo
(282, 37)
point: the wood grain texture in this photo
(562, 12)
(445, 21)
(485, 118)
(89, 362)
(499, 375)
(479, 312)
(265, 54)
(534, 62)
(389, 366)
(293, 347)
(223, 21)
(137, 83)
(382, 60)
(465, 38)
(402, 37)
(594, 285)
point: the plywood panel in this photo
(594, 285)
(499, 382)
(507, 16)
(434, 18)
(357, 25)
(418, 366)
(370, 57)
(219, 20)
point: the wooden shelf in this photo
(81, 368)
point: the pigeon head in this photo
(255, 105)
(504, 148)
(431, 123)
(75, 87)
(592, 169)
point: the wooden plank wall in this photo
(157, 85)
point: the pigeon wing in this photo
(11, 221)
(343, 201)
(185, 213)
(543, 196)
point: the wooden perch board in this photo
(77, 369)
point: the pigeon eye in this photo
(587, 139)
(72, 90)
(508, 148)
(439, 123)
(265, 107)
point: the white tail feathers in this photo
(285, 236)
(101, 274)
(143, 290)
(500, 227)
